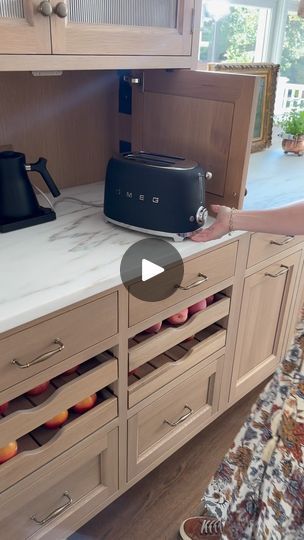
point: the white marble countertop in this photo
(50, 266)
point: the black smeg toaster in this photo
(157, 194)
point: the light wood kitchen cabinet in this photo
(136, 27)
(23, 29)
(105, 27)
(44, 504)
(263, 320)
(198, 115)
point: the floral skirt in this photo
(258, 490)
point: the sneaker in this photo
(201, 528)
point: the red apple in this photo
(210, 300)
(85, 404)
(38, 389)
(178, 318)
(3, 407)
(71, 370)
(8, 451)
(57, 420)
(154, 328)
(199, 306)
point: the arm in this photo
(287, 220)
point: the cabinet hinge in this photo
(192, 21)
(134, 80)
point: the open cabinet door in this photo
(207, 117)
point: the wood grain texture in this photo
(154, 508)
(68, 119)
(218, 265)
(264, 317)
(77, 329)
(109, 39)
(28, 35)
(208, 119)
(263, 246)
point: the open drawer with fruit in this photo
(167, 349)
(41, 424)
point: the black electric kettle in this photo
(19, 206)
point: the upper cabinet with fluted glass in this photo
(100, 27)
(23, 28)
(123, 27)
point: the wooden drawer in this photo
(166, 367)
(24, 420)
(87, 471)
(149, 347)
(155, 429)
(264, 246)
(217, 265)
(77, 330)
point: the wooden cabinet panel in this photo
(157, 427)
(148, 349)
(207, 117)
(23, 30)
(61, 336)
(112, 27)
(264, 246)
(216, 265)
(86, 471)
(263, 320)
(19, 423)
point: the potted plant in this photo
(292, 124)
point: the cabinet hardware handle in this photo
(42, 357)
(55, 512)
(194, 284)
(45, 8)
(283, 242)
(279, 273)
(61, 10)
(181, 419)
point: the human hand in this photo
(219, 228)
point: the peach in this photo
(199, 306)
(178, 318)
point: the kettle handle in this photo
(40, 167)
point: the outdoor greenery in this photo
(292, 62)
(293, 123)
(235, 41)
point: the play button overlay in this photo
(151, 270)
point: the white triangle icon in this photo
(150, 270)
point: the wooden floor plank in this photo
(154, 508)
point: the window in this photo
(234, 32)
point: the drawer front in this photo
(24, 354)
(24, 420)
(88, 470)
(157, 427)
(217, 266)
(264, 246)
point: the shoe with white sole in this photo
(201, 528)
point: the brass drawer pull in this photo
(279, 273)
(181, 419)
(283, 242)
(194, 284)
(55, 512)
(42, 357)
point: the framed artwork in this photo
(268, 74)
